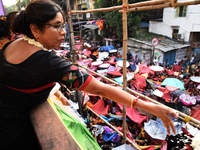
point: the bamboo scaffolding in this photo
(120, 7)
(124, 19)
(127, 139)
(163, 6)
(141, 4)
(149, 7)
(70, 26)
(187, 3)
(193, 122)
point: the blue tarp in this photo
(106, 48)
(144, 25)
(173, 82)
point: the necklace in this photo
(34, 42)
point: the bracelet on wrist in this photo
(133, 103)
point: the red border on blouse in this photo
(85, 83)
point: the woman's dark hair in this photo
(38, 12)
(10, 17)
(4, 29)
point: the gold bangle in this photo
(135, 101)
(132, 101)
(58, 98)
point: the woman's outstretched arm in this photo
(122, 97)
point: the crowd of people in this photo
(183, 71)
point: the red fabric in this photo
(78, 46)
(166, 93)
(177, 68)
(141, 80)
(136, 85)
(118, 113)
(151, 71)
(115, 73)
(100, 108)
(144, 70)
(149, 148)
(33, 90)
(163, 143)
(133, 114)
(87, 53)
(171, 88)
(196, 114)
(170, 72)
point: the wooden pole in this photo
(133, 144)
(25, 3)
(149, 7)
(120, 7)
(181, 115)
(70, 26)
(20, 5)
(124, 19)
(187, 3)
(139, 6)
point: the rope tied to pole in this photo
(125, 6)
(187, 119)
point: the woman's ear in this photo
(34, 30)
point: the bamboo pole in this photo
(120, 7)
(70, 26)
(187, 3)
(124, 19)
(163, 6)
(181, 115)
(149, 7)
(133, 144)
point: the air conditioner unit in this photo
(88, 5)
(179, 36)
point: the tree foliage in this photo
(114, 18)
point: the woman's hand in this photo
(62, 98)
(164, 113)
(64, 101)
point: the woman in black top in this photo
(28, 72)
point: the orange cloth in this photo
(89, 104)
(100, 23)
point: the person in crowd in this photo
(29, 71)
(136, 59)
(156, 60)
(100, 139)
(140, 62)
(4, 33)
(129, 56)
(140, 140)
(10, 17)
(192, 60)
(175, 62)
(166, 64)
(181, 62)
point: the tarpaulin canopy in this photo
(154, 131)
(177, 68)
(80, 133)
(100, 108)
(173, 82)
(124, 147)
(133, 114)
(2, 10)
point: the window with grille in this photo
(181, 11)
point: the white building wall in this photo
(190, 23)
